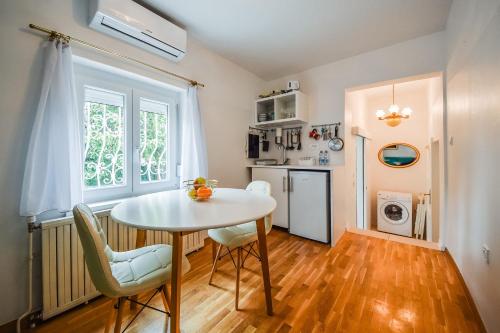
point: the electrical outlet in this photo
(486, 253)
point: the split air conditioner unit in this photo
(129, 21)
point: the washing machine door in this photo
(394, 212)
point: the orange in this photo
(204, 192)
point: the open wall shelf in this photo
(281, 110)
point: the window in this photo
(130, 131)
(104, 140)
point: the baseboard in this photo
(396, 238)
(468, 295)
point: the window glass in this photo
(154, 154)
(104, 140)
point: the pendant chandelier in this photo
(394, 114)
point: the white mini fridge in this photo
(309, 204)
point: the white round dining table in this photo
(175, 212)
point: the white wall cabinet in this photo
(278, 178)
(281, 110)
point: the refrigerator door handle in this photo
(284, 183)
(290, 186)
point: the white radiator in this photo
(65, 279)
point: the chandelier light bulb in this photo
(380, 113)
(394, 108)
(407, 111)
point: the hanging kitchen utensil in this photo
(288, 140)
(278, 139)
(299, 147)
(314, 134)
(336, 143)
(265, 142)
(294, 139)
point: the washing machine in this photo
(394, 213)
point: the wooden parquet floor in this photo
(364, 284)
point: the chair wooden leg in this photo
(214, 265)
(140, 241)
(111, 316)
(214, 250)
(119, 315)
(165, 297)
(238, 267)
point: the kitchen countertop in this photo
(295, 166)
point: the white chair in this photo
(121, 275)
(236, 238)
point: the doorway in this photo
(375, 180)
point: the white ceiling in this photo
(273, 38)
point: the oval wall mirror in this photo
(398, 155)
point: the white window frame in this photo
(133, 89)
(173, 181)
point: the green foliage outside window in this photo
(153, 153)
(103, 137)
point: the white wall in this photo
(226, 103)
(473, 104)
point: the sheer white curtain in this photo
(194, 150)
(52, 176)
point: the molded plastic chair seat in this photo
(238, 235)
(144, 268)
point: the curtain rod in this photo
(67, 38)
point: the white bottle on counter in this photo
(326, 158)
(321, 158)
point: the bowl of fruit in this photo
(200, 189)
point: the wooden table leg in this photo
(175, 310)
(261, 233)
(140, 241)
